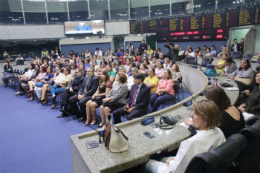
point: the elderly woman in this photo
(244, 72)
(206, 118)
(41, 76)
(25, 77)
(115, 99)
(164, 93)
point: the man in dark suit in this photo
(71, 91)
(138, 101)
(236, 46)
(88, 88)
(143, 46)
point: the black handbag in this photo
(111, 103)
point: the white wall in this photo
(10, 32)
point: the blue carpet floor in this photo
(32, 139)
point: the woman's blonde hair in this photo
(209, 112)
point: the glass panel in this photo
(228, 3)
(179, 7)
(98, 9)
(11, 12)
(57, 12)
(203, 5)
(34, 12)
(139, 9)
(119, 9)
(160, 10)
(78, 10)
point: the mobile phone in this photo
(148, 134)
(155, 125)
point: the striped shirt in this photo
(249, 73)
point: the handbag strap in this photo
(111, 121)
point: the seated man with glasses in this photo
(87, 89)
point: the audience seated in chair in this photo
(72, 90)
(31, 83)
(230, 66)
(8, 70)
(152, 81)
(176, 74)
(164, 93)
(232, 119)
(159, 71)
(111, 73)
(115, 99)
(88, 88)
(206, 118)
(245, 72)
(96, 100)
(130, 80)
(251, 105)
(38, 89)
(137, 102)
(220, 65)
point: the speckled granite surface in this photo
(140, 146)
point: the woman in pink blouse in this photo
(164, 93)
(159, 71)
(41, 76)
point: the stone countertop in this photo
(140, 146)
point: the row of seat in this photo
(239, 154)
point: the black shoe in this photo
(82, 119)
(5, 86)
(76, 117)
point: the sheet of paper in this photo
(184, 125)
(232, 89)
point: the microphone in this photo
(99, 134)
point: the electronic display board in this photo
(246, 14)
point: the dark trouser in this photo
(5, 80)
(19, 87)
(74, 109)
(66, 94)
(182, 57)
(156, 101)
(121, 112)
(241, 86)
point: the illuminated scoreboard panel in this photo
(158, 25)
(246, 14)
(196, 35)
(219, 19)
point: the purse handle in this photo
(117, 129)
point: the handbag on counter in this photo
(114, 139)
(245, 81)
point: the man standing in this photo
(138, 101)
(236, 46)
(143, 46)
(71, 91)
(88, 88)
(175, 52)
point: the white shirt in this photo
(29, 73)
(203, 141)
(191, 54)
(99, 53)
(59, 78)
(181, 52)
(235, 47)
(130, 82)
(189, 8)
